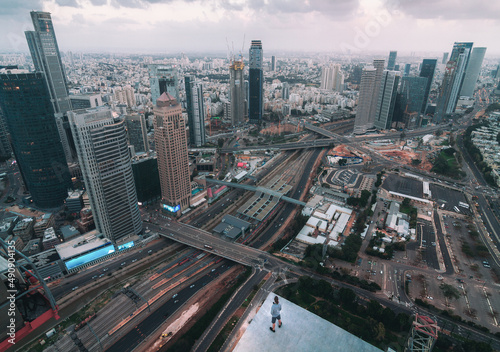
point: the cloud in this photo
(447, 9)
(69, 3)
(10, 7)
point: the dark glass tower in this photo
(392, 60)
(427, 71)
(196, 111)
(256, 81)
(29, 116)
(47, 59)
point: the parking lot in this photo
(404, 185)
(448, 198)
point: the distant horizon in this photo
(267, 55)
(335, 27)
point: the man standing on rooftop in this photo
(275, 313)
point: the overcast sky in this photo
(171, 26)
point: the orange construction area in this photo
(341, 150)
(406, 157)
(281, 128)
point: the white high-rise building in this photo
(101, 144)
(332, 78)
(364, 120)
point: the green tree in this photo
(342, 162)
(416, 162)
(379, 331)
(449, 291)
(220, 142)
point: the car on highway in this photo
(105, 269)
(74, 288)
(122, 264)
(175, 295)
(150, 251)
(94, 277)
(486, 264)
(101, 275)
(134, 260)
(176, 301)
(191, 286)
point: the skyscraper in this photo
(256, 81)
(444, 60)
(412, 90)
(379, 67)
(137, 132)
(407, 69)
(386, 100)
(46, 58)
(5, 148)
(196, 111)
(472, 72)
(392, 60)
(273, 63)
(332, 78)
(237, 90)
(444, 93)
(163, 79)
(29, 116)
(105, 162)
(44, 51)
(363, 120)
(427, 71)
(454, 76)
(172, 153)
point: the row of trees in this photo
(370, 321)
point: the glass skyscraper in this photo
(163, 79)
(427, 71)
(413, 93)
(47, 59)
(386, 100)
(472, 72)
(392, 60)
(196, 111)
(453, 80)
(256, 81)
(29, 116)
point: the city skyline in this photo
(361, 26)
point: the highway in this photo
(146, 327)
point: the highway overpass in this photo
(197, 238)
(318, 143)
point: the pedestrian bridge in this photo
(257, 189)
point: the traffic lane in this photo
(442, 245)
(195, 237)
(234, 304)
(146, 327)
(110, 266)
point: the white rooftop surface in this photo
(303, 236)
(301, 331)
(313, 222)
(80, 244)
